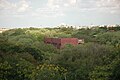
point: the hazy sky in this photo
(25, 13)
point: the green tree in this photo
(50, 72)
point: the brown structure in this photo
(61, 42)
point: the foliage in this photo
(16, 70)
(50, 72)
(81, 59)
(109, 38)
(25, 56)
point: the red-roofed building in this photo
(61, 42)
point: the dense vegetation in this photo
(24, 56)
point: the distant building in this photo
(61, 42)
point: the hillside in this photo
(25, 56)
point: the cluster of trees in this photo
(24, 56)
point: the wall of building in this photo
(61, 42)
(72, 41)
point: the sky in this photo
(41, 13)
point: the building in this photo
(61, 42)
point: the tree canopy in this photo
(25, 56)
